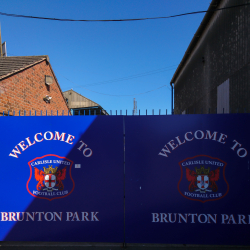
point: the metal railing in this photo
(105, 112)
(36, 113)
(84, 113)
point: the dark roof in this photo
(197, 36)
(12, 64)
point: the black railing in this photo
(80, 112)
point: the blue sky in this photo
(110, 63)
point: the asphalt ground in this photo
(109, 246)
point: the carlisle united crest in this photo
(50, 177)
(203, 178)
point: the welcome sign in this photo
(61, 179)
(186, 179)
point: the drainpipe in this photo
(172, 98)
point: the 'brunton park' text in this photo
(49, 216)
(181, 218)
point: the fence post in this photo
(19, 112)
(3, 113)
(8, 113)
(14, 113)
(41, 113)
(139, 112)
(166, 112)
(146, 112)
(159, 112)
(126, 112)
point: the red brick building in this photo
(28, 84)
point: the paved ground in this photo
(105, 246)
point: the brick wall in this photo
(25, 91)
(224, 53)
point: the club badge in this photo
(203, 178)
(50, 177)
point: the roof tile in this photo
(12, 64)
